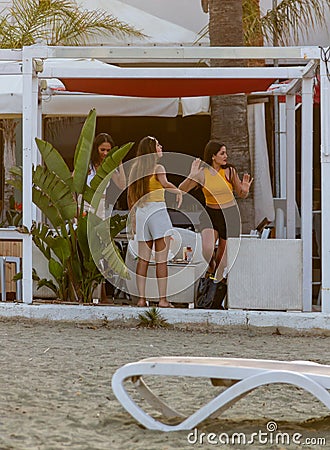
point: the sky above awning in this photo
(166, 87)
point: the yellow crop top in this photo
(156, 190)
(217, 189)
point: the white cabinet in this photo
(265, 274)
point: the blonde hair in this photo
(142, 169)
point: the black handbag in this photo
(210, 294)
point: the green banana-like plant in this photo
(67, 238)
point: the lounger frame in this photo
(240, 376)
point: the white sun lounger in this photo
(240, 376)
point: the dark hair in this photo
(99, 140)
(212, 148)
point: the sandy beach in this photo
(56, 391)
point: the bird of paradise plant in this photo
(63, 238)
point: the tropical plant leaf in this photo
(57, 191)
(94, 238)
(88, 194)
(117, 224)
(39, 233)
(56, 269)
(48, 283)
(152, 318)
(83, 152)
(16, 180)
(42, 202)
(17, 171)
(60, 246)
(102, 245)
(54, 161)
(114, 259)
(77, 267)
(82, 237)
(17, 219)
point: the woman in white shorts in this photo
(146, 200)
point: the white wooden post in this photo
(325, 185)
(30, 108)
(36, 159)
(307, 188)
(283, 147)
(290, 167)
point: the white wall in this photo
(158, 29)
(186, 13)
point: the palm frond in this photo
(82, 25)
(293, 17)
(252, 24)
(57, 22)
(284, 23)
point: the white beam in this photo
(307, 188)
(290, 167)
(182, 53)
(65, 71)
(10, 55)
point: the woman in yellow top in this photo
(219, 181)
(146, 196)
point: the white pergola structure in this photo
(200, 81)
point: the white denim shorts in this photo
(153, 221)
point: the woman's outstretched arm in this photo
(242, 188)
(194, 178)
(162, 178)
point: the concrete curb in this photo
(78, 313)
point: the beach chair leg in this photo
(153, 400)
(128, 403)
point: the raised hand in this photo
(246, 183)
(195, 168)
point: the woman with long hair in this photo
(219, 181)
(146, 199)
(102, 146)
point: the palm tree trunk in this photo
(229, 112)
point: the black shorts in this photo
(227, 221)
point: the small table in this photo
(181, 282)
